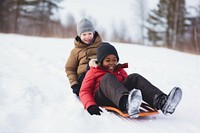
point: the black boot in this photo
(123, 103)
(159, 101)
(167, 104)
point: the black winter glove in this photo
(76, 89)
(94, 110)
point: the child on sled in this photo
(85, 46)
(108, 84)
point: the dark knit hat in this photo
(85, 25)
(104, 50)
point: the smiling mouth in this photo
(111, 67)
(88, 40)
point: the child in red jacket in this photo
(108, 84)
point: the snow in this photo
(35, 96)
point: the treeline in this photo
(173, 27)
(170, 25)
(30, 17)
(40, 18)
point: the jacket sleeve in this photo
(87, 90)
(124, 73)
(71, 68)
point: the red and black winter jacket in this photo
(92, 79)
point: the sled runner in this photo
(145, 110)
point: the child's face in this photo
(87, 36)
(109, 62)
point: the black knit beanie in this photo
(104, 50)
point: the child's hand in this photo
(76, 89)
(94, 110)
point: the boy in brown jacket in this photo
(85, 48)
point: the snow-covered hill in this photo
(35, 96)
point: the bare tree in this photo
(140, 12)
(170, 16)
(70, 26)
(120, 33)
(32, 17)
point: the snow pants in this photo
(111, 90)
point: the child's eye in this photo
(107, 60)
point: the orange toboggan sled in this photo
(145, 110)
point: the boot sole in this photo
(173, 100)
(136, 100)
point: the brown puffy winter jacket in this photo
(80, 57)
